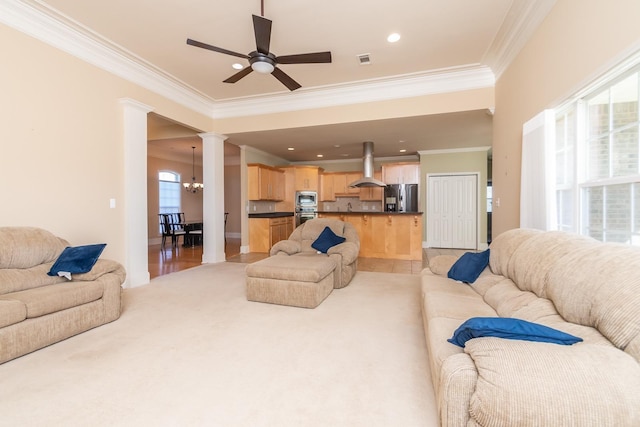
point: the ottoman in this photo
(299, 280)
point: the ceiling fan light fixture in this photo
(262, 67)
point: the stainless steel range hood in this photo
(367, 171)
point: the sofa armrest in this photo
(285, 247)
(458, 377)
(441, 264)
(348, 250)
(102, 267)
(582, 384)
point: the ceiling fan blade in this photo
(262, 29)
(216, 49)
(285, 79)
(305, 58)
(237, 76)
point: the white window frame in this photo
(580, 180)
(177, 181)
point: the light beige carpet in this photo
(190, 350)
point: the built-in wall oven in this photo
(306, 206)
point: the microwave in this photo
(306, 199)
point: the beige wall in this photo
(578, 41)
(61, 142)
(232, 199)
(468, 100)
(191, 202)
(456, 162)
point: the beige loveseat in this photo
(36, 309)
(570, 283)
(345, 254)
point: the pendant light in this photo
(193, 186)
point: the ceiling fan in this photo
(262, 60)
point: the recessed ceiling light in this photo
(320, 155)
(290, 148)
(238, 66)
(337, 145)
(394, 37)
(403, 151)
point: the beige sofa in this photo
(345, 254)
(36, 309)
(567, 282)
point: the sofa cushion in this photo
(504, 245)
(76, 259)
(20, 279)
(469, 266)
(53, 298)
(539, 384)
(509, 328)
(598, 285)
(530, 264)
(12, 312)
(506, 298)
(326, 240)
(25, 247)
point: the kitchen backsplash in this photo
(257, 206)
(345, 204)
(342, 204)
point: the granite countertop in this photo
(270, 215)
(369, 213)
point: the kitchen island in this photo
(392, 235)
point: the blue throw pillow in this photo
(469, 266)
(326, 240)
(510, 328)
(77, 259)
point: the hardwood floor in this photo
(170, 260)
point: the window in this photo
(597, 149)
(169, 192)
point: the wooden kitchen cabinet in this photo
(401, 173)
(339, 183)
(327, 193)
(266, 232)
(372, 194)
(265, 182)
(350, 177)
(333, 184)
(306, 178)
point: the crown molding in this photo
(453, 150)
(445, 80)
(523, 18)
(42, 22)
(405, 158)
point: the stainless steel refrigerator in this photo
(401, 198)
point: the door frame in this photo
(478, 201)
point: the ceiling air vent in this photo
(364, 59)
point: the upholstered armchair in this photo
(345, 254)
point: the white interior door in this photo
(452, 211)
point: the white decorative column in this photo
(213, 197)
(135, 192)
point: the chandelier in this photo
(193, 186)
